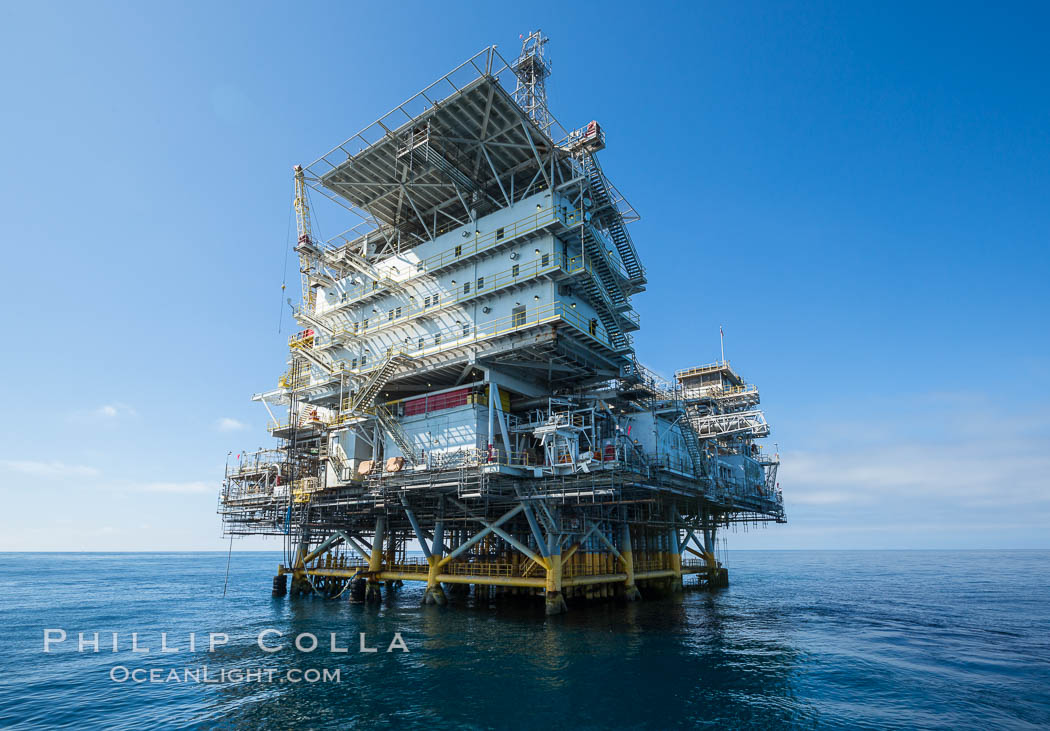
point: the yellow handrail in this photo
(478, 243)
(493, 282)
(458, 337)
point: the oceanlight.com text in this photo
(204, 674)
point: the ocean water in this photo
(897, 639)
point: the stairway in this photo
(316, 359)
(614, 222)
(366, 395)
(305, 317)
(392, 427)
(692, 445)
(602, 268)
(337, 456)
(602, 289)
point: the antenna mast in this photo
(532, 70)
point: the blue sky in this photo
(856, 192)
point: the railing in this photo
(408, 566)
(606, 246)
(486, 62)
(716, 391)
(479, 568)
(472, 245)
(304, 339)
(493, 282)
(350, 296)
(459, 336)
(649, 564)
(482, 242)
(698, 370)
(532, 317)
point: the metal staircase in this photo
(337, 456)
(606, 209)
(392, 427)
(603, 290)
(306, 318)
(315, 358)
(692, 445)
(602, 269)
(366, 395)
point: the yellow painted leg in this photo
(555, 600)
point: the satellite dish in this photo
(586, 201)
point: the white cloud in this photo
(48, 469)
(966, 473)
(228, 424)
(968, 453)
(112, 411)
(181, 487)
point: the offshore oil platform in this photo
(465, 379)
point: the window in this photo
(343, 297)
(397, 312)
(545, 260)
(419, 266)
(364, 359)
(466, 287)
(355, 328)
(514, 270)
(390, 315)
(466, 329)
(353, 364)
(375, 286)
(499, 234)
(459, 249)
(364, 325)
(420, 343)
(517, 316)
(426, 302)
(437, 339)
(481, 283)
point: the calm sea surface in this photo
(801, 639)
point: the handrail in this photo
(474, 245)
(550, 312)
(696, 370)
(495, 66)
(493, 282)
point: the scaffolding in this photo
(465, 379)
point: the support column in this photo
(552, 589)
(675, 551)
(300, 584)
(717, 576)
(631, 592)
(434, 593)
(373, 592)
